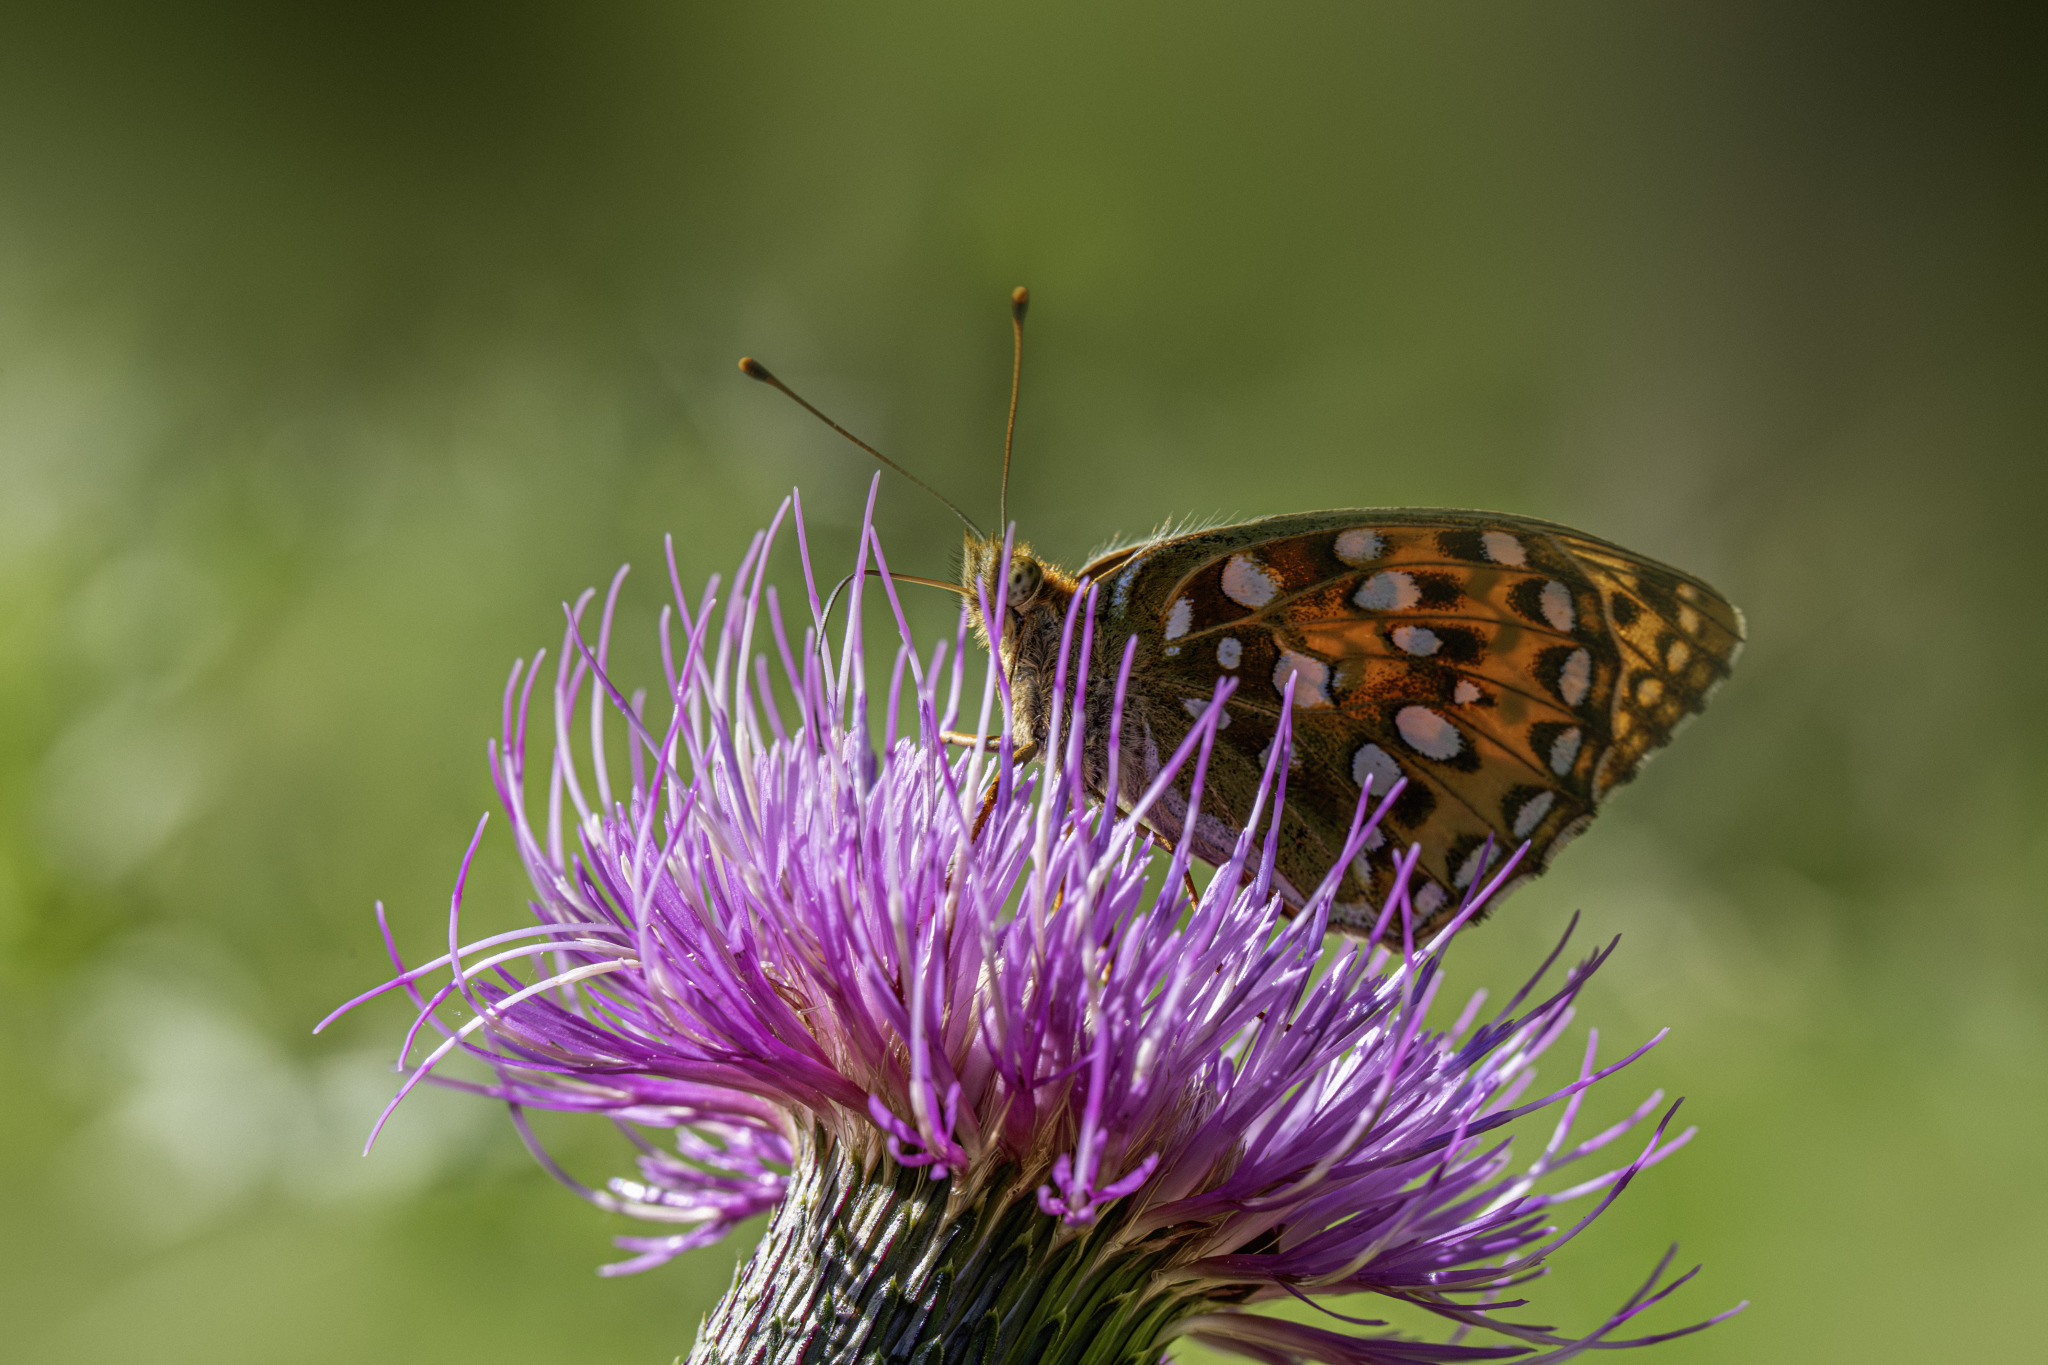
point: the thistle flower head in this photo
(797, 923)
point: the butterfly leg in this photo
(964, 741)
(1023, 754)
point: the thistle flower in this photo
(1009, 1094)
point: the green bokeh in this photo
(339, 344)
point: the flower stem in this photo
(870, 1261)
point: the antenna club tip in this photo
(1020, 299)
(754, 369)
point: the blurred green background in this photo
(338, 344)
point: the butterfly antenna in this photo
(754, 369)
(894, 577)
(1020, 300)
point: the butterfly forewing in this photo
(1513, 671)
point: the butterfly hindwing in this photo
(1513, 671)
(1677, 640)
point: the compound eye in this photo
(1025, 577)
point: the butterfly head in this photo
(1035, 595)
(1029, 586)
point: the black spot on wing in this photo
(1459, 644)
(1437, 590)
(1461, 850)
(1658, 591)
(1517, 800)
(1465, 545)
(1414, 805)
(1526, 597)
(1544, 737)
(1550, 667)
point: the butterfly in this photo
(1513, 671)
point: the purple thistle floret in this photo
(773, 929)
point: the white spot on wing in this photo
(1371, 761)
(1247, 582)
(1688, 620)
(1429, 900)
(1503, 548)
(1564, 751)
(1532, 812)
(1358, 546)
(1417, 639)
(1293, 757)
(1648, 689)
(1388, 590)
(1229, 652)
(1467, 693)
(1179, 617)
(1675, 657)
(1557, 606)
(1428, 733)
(1469, 869)
(1312, 685)
(1575, 677)
(1198, 709)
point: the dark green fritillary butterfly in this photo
(1514, 671)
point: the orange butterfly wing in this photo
(1514, 671)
